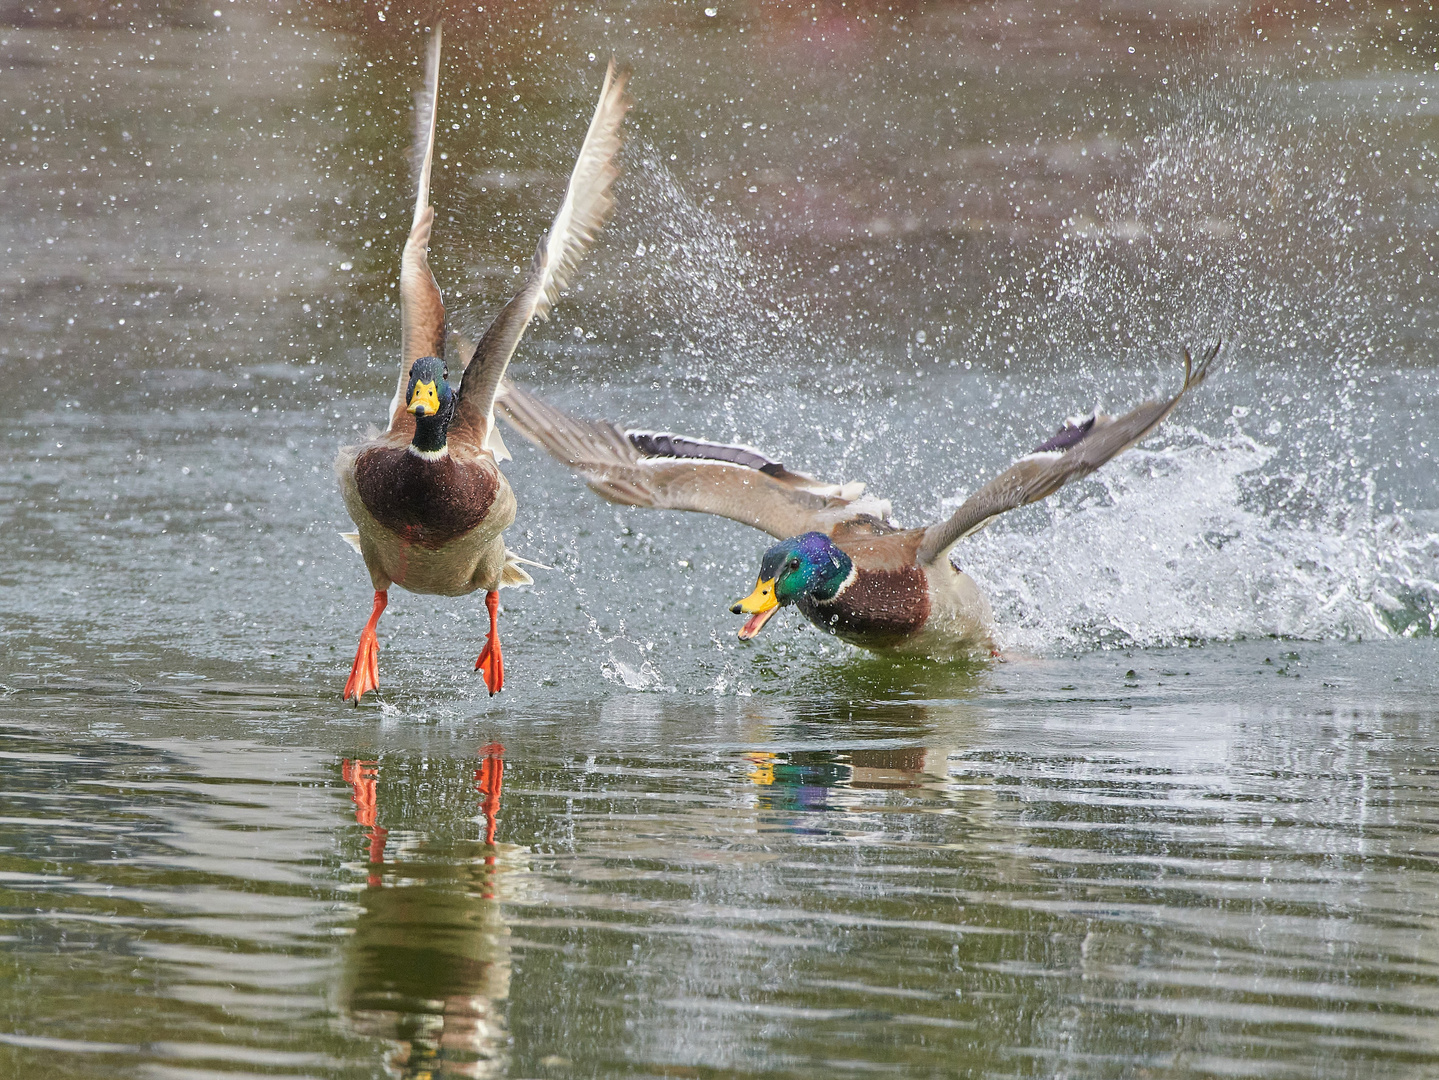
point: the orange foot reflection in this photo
(364, 778)
(489, 780)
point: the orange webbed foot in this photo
(365, 672)
(491, 662)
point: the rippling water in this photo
(1188, 828)
(1032, 871)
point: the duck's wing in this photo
(422, 312)
(1080, 447)
(586, 206)
(674, 472)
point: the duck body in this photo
(936, 611)
(888, 601)
(427, 497)
(430, 524)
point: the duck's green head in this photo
(808, 566)
(432, 403)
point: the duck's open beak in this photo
(425, 401)
(759, 606)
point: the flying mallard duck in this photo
(427, 496)
(840, 560)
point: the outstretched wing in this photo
(1077, 450)
(673, 472)
(422, 312)
(586, 206)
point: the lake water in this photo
(1189, 826)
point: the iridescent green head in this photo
(808, 566)
(432, 403)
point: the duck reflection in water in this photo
(428, 966)
(818, 780)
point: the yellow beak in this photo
(759, 605)
(425, 401)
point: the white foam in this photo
(1164, 547)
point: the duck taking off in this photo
(839, 560)
(427, 497)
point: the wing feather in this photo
(422, 310)
(614, 463)
(1078, 450)
(586, 206)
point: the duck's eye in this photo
(794, 564)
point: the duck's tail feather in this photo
(496, 445)
(513, 573)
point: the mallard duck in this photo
(427, 497)
(839, 559)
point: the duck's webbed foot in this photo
(365, 672)
(491, 662)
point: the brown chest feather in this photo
(879, 607)
(425, 502)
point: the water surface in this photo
(1188, 828)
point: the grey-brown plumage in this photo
(773, 499)
(902, 593)
(429, 502)
(1076, 451)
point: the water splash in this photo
(1166, 546)
(1249, 224)
(1273, 514)
(644, 676)
(718, 306)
